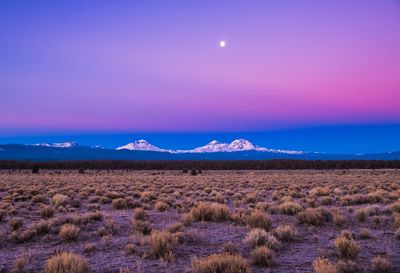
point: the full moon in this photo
(222, 44)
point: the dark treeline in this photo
(275, 164)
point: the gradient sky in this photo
(155, 66)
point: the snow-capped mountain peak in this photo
(241, 145)
(212, 147)
(68, 144)
(141, 145)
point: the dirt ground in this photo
(318, 206)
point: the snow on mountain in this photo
(238, 145)
(69, 144)
(241, 145)
(212, 147)
(141, 145)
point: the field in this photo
(216, 221)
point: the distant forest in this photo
(275, 164)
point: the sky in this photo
(114, 67)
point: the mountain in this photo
(69, 144)
(141, 145)
(239, 149)
(238, 145)
(214, 146)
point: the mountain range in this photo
(239, 149)
(238, 145)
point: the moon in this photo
(222, 43)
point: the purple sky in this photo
(157, 65)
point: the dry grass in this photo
(66, 262)
(221, 263)
(258, 219)
(381, 264)
(161, 243)
(347, 247)
(321, 265)
(209, 212)
(103, 214)
(69, 232)
(262, 256)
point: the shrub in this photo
(130, 249)
(365, 233)
(258, 219)
(339, 219)
(118, 203)
(69, 232)
(347, 247)
(24, 236)
(262, 256)
(19, 265)
(321, 265)
(314, 216)
(221, 263)
(347, 266)
(141, 227)
(320, 191)
(161, 206)
(60, 200)
(89, 247)
(16, 223)
(3, 214)
(66, 262)
(46, 212)
(42, 227)
(209, 212)
(285, 233)
(39, 198)
(258, 237)
(175, 227)
(288, 207)
(161, 243)
(381, 264)
(140, 214)
(193, 172)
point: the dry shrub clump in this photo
(288, 207)
(221, 263)
(141, 227)
(46, 212)
(347, 266)
(161, 206)
(347, 247)
(66, 262)
(321, 265)
(140, 224)
(262, 256)
(314, 216)
(19, 265)
(209, 212)
(259, 237)
(16, 223)
(140, 214)
(320, 191)
(339, 220)
(161, 243)
(69, 232)
(119, 203)
(381, 264)
(3, 214)
(285, 233)
(258, 219)
(60, 199)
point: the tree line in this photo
(273, 164)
